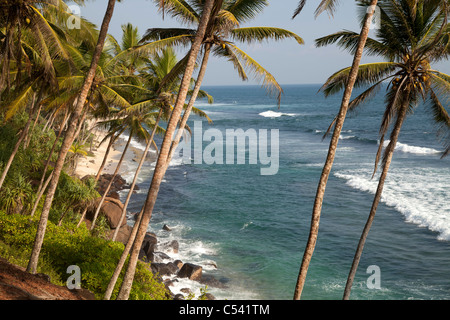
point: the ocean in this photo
(249, 230)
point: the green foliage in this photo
(67, 245)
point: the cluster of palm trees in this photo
(412, 35)
(76, 80)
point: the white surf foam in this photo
(273, 114)
(412, 149)
(421, 195)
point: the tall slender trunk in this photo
(19, 141)
(315, 219)
(118, 270)
(50, 117)
(105, 157)
(123, 258)
(164, 150)
(136, 174)
(108, 149)
(28, 139)
(40, 194)
(187, 112)
(390, 153)
(41, 189)
(68, 139)
(119, 164)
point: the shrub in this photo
(67, 245)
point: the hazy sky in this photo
(289, 62)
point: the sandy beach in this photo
(90, 164)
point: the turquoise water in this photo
(254, 227)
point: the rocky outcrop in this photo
(191, 271)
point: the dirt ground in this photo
(17, 284)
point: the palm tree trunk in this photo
(119, 164)
(40, 192)
(198, 84)
(164, 150)
(27, 141)
(119, 266)
(108, 149)
(50, 117)
(68, 139)
(22, 137)
(315, 220)
(389, 154)
(123, 258)
(136, 174)
(105, 157)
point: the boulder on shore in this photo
(111, 209)
(191, 271)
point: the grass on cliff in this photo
(67, 245)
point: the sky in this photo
(286, 60)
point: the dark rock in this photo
(111, 209)
(169, 246)
(209, 296)
(149, 245)
(191, 271)
(212, 282)
(124, 234)
(118, 184)
(186, 291)
(169, 282)
(158, 256)
(178, 297)
(179, 263)
(167, 228)
(164, 269)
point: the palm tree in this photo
(413, 35)
(361, 39)
(223, 30)
(135, 122)
(77, 150)
(21, 19)
(156, 75)
(162, 158)
(68, 139)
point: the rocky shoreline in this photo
(155, 253)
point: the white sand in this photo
(91, 164)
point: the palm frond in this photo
(259, 34)
(259, 73)
(367, 74)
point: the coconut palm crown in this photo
(223, 30)
(411, 38)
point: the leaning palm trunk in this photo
(105, 158)
(119, 164)
(41, 193)
(136, 174)
(41, 188)
(28, 139)
(388, 158)
(161, 164)
(22, 137)
(123, 258)
(68, 139)
(315, 220)
(130, 242)
(200, 77)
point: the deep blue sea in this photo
(249, 230)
